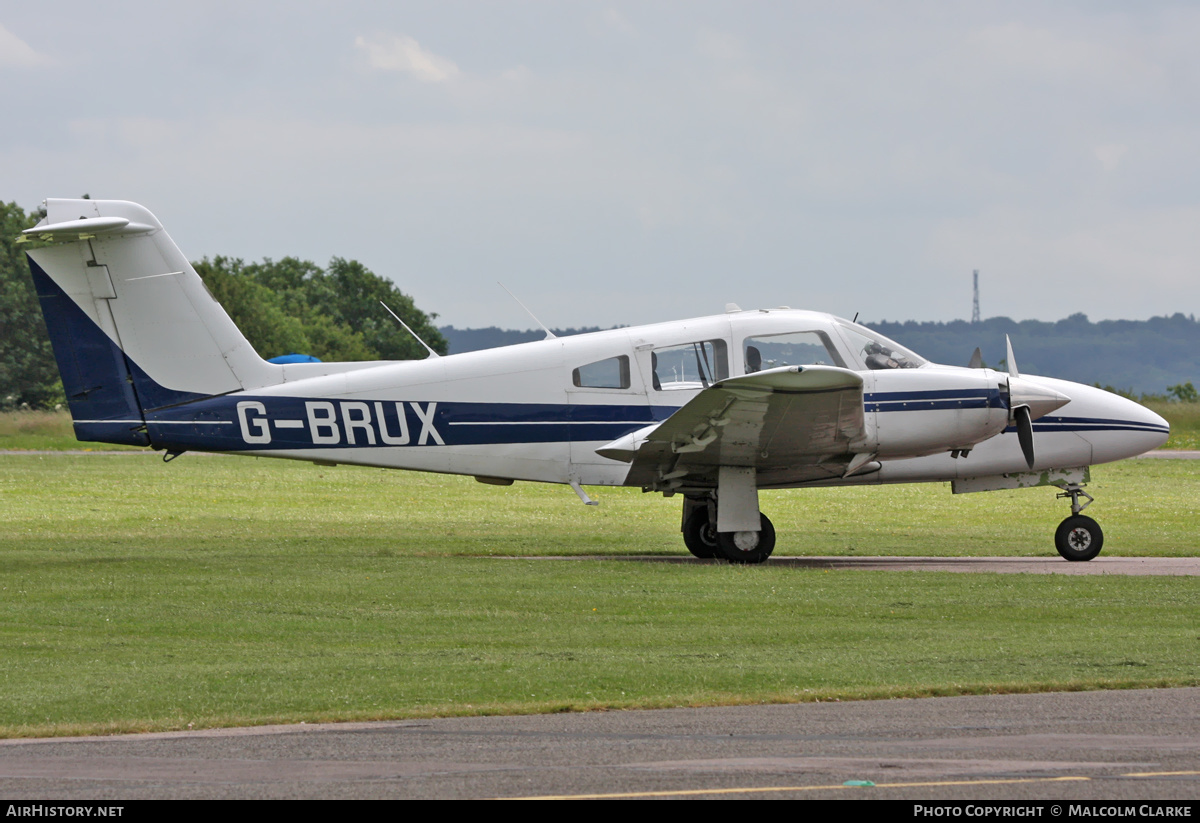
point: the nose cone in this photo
(1040, 399)
(1116, 427)
(1151, 429)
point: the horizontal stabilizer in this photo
(84, 227)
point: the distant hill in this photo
(1141, 356)
(462, 340)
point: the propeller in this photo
(1027, 401)
(1024, 432)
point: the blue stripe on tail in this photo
(106, 392)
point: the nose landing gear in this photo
(1078, 537)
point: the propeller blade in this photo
(976, 360)
(1012, 361)
(1024, 432)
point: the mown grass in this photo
(221, 591)
(1185, 423)
(1147, 508)
(45, 431)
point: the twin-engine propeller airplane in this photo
(711, 409)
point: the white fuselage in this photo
(524, 412)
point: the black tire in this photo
(760, 551)
(699, 535)
(1079, 538)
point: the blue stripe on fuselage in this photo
(241, 423)
(942, 399)
(1088, 424)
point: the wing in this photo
(791, 424)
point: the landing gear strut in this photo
(1079, 537)
(702, 539)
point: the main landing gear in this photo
(1078, 537)
(702, 539)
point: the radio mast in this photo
(975, 305)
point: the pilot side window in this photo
(612, 373)
(690, 366)
(804, 348)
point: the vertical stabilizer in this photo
(132, 324)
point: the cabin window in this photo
(612, 373)
(803, 348)
(690, 366)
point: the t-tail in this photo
(132, 325)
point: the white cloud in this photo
(1110, 155)
(15, 52)
(403, 53)
(719, 45)
(613, 19)
(1112, 62)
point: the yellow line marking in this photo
(696, 792)
(1159, 774)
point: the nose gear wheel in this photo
(1079, 538)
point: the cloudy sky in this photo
(643, 161)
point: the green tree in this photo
(1184, 392)
(358, 293)
(272, 322)
(28, 374)
(294, 305)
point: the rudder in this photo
(132, 325)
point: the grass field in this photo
(221, 591)
(1185, 423)
(44, 431)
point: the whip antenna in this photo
(549, 334)
(432, 353)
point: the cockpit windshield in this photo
(877, 351)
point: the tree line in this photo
(1140, 358)
(288, 306)
(1157, 358)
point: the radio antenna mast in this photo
(432, 353)
(549, 334)
(975, 306)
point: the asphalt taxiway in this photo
(1109, 745)
(1168, 566)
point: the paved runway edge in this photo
(1160, 566)
(1084, 746)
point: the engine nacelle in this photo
(930, 410)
